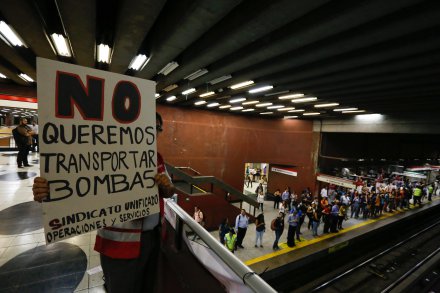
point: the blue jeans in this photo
(259, 235)
(277, 237)
(315, 225)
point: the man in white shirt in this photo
(241, 225)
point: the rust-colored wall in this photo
(219, 144)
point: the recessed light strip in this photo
(353, 111)
(241, 84)
(261, 89)
(138, 62)
(291, 96)
(10, 35)
(304, 100)
(345, 109)
(104, 53)
(196, 74)
(220, 79)
(237, 100)
(250, 102)
(189, 91)
(326, 105)
(61, 45)
(169, 68)
(208, 94)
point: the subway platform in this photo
(267, 260)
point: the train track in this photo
(389, 268)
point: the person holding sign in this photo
(128, 251)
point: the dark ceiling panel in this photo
(24, 19)
(79, 22)
(134, 22)
(380, 56)
(184, 22)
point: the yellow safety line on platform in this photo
(286, 249)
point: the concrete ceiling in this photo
(378, 56)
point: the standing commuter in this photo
(231, 240)
(260, 200)
(292, 220)
(277, 199)
(241, 225)
(23, 142)
(279, 228)
(260, 228)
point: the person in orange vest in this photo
(128, 251)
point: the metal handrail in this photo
(212, 180)
(189, 168)
(249, 277)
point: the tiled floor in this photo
(15, 247)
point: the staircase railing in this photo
(195, 180)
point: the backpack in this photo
(17, 137)
(272, 225)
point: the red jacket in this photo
(123, 241)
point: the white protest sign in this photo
(98, 148)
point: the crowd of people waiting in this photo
(334, 205)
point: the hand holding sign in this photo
(40, 188)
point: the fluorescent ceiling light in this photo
(311, 113)
(9, 34)
(225, 106)
(261, 89)
(266, 113)
(189, 91)
(353, 111)
(297, 110)
(237, 100)
(326, 105)
(156, 96)
(2, 75)
(104, 53)
(241, 84)
(250, 102)
(248, 110)
(199, 103)
(275, 107)
(286, 109)
(208, 94)
(172, 98)
(290, 117)
(263, 105)
(25, 77)
(170, 87)
(292, 96)
(138, 62)
(220, 79)
(345, 109)
(277, 93)
(168, 68)
(236, 108)
(304, 100)
(197, 74)
(61, 45)
(369, 117)
(212, 105)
